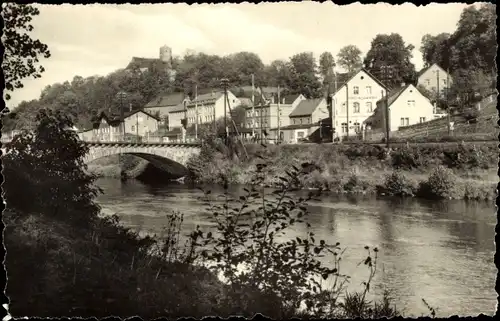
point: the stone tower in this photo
(166, 55)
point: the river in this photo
(439, 251)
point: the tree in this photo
(435, 49)
(326, 65)
(47, 167)
(391, 51)
(349, 58)
(21, 51)
(245, 64)
(304, 77)
(278, 72)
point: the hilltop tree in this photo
(349, 58)
(278, 73)
(304, 77)
(22, 53)
(326, 65)
(391, 50)
(434, 49)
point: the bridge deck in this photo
(141, 144)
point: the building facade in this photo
(434, 78)
(355, 101)
(407, 106)
(304, 120)
(136, 123)
(210, 107)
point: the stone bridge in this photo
(171, 157)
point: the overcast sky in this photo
(97, 39)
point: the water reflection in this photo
(439, 251)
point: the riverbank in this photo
(113, 167)
(448, 171)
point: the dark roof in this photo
(289, 98)
(142, 62)
(306, 107)
(165, 100)
(114, 120)
(206, 98)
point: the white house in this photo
(354, 101)
(407, 106)
(434, 77)
(210, 107)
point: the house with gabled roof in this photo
(353, 101)
(209, 107)
(305, 119)
(406, 105)
(434, 78)
(107, 127)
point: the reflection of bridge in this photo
(171, 157)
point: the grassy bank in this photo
(112, 166)
(448, 171)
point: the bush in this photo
(441, 183)
(398, 184)
(407, 158)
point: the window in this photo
(422, 119)
(427, 82)
(132, 128)
(405, 121)
(301, 120)
(344, 127)
(356, 107)
(355, 90)
(300, 134)
(294, 121)
(444, 81)
(342, 111)
(368, 90)
(402, 121)
(411, 103)
(357, 127)
(369, 107)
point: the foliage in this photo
(441, 184)
(407, 158)
(47, 165)
(397, 184)
(22, 52)
(349, 58)
(433, 49)
(265, 274)
(326, 65)
(391, 50)
(304, 78)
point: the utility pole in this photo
(137, 125)
(253, 106)
(447, 100)
(279, 115)
(438, 93)
(196, 111)
(347, 108)
(224, 85)
(261, 123)
(334, 105)
(122, 95)
(386, 75)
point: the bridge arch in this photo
(172, 158)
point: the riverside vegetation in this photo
(61, 249)
(457, 171)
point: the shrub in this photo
(408, 158)
(441, 183)
(398, 184)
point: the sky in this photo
(88, 40)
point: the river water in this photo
(439, 251)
